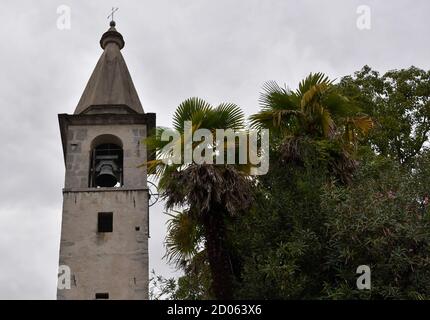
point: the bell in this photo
(106, 175)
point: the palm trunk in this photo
(219, 262)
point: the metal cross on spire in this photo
(112, 13)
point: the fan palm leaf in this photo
(208, 192)
(313, 113)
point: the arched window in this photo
(106, 168)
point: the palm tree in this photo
(210, 193)
(314, 118)
(184, 238)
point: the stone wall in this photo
(117, 262)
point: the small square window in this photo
(102, 296)
(105, 222)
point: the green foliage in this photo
(280, 242)
(315, 116)
(196, 283)
(202, 116)
(184, 237)
(307, 238)
(209, 193)
(380, 221)
(161, 288)
(306, 233)
(399, 102)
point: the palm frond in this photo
(228, 115)
(274, 119)
(364, 123)
(314, 93)
(339, 105)
(276, 97)
(328, 125)
(183, 237)
(311, 80)
(189, 110)
(278, 108)
(203, 186)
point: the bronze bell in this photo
(106, 174)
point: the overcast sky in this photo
(221, 50)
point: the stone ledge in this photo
(72, 190)
(107, 119)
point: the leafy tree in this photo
(310, 234)
(161, 288)
(195, 284)
(306, 237)
(382, 221)
(305, 234)
(399, 102)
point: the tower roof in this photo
(110, 88)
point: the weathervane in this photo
(112, 13)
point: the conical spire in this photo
(110, 88)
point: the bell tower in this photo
(104, 233)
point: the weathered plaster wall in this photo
(115, 262)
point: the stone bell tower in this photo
(104, 234)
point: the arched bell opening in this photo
(106, 163)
